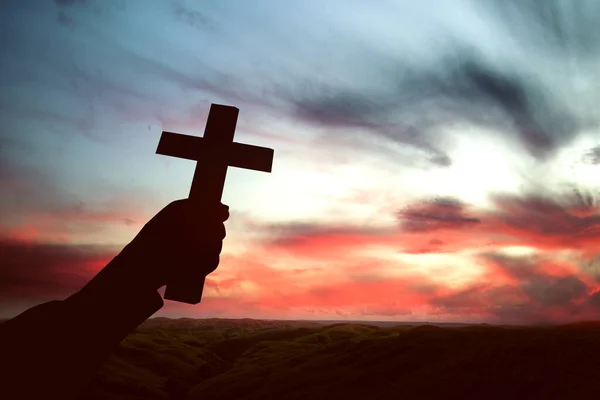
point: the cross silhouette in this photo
(214, 153)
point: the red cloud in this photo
(439, 214)
(517, 289)
(40, 272)
(313, 271)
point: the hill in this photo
(249, 359)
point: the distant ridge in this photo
(382, 324)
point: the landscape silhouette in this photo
(429, 229)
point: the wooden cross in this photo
(214, 153)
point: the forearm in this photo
(57, 347)
(107, 309)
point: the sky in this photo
(434, 160)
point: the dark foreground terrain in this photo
(249, 359)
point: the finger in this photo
(205, 232)
(224, 212)
(201, 239)
(222, 231)
(203, 261)
(208, 262)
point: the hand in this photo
(183, 240)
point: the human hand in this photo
(183, 240)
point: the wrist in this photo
(113, 293)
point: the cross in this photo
(214, 153)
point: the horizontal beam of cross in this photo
(232, 154)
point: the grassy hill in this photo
(250, 359)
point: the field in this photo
(251, 359)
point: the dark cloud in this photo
(467, 90)
(537, 285)
(553, 25)
(339, 107)
(64, 19)
(509, 94)
(466, 86)
(69, 2)
(571, 220)
(543, 221)
(595, 299)
(468, 298)
(592, 156)
(518, 268)
(192, 17)
(440, 213)
(496, 303)
(534, 295)
(573, 215)
(413, 99)
(555, 291)
(38, 271)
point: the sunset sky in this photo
(434, 160)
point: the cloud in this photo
(539, 221)
(332, 106)
(592, 156)
(554, 24)
(570, 221)
(191, 17)
(595, 299)
(64, 19)
(549, 221)
(320, 269)
(36, 199)
(243, 286)
(40, 272)
(537, 291)
(323, 242)
(406, 95)
(440, 213)
(463, 88)
(247, 286)
(357, 296)
(542, 281)
(478, 298)
(543, 287)
(410, 96)
(69, 2)
(559, 291)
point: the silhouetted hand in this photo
(183, 240)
